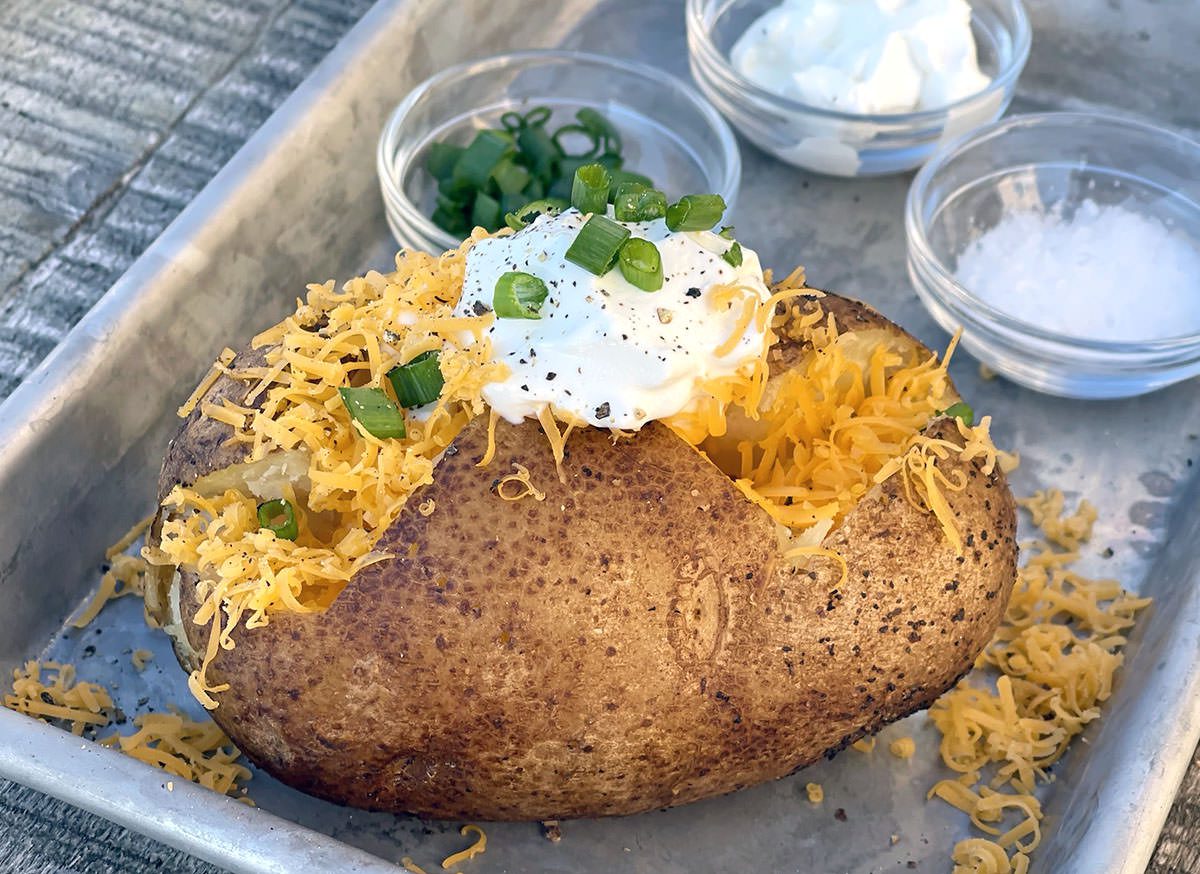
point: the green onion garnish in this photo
(485, 212)
(596, 247)
(510, 177)
(475, 164)
(418, 382)
(726, 232)
(520, 161)
(519, 296)
(374, 410)
(640, 264)
(589, 191)
(623, 177)
(636, 203)
(962, 410)
(527, 214)
(733, 255)
(441, 159)
(279, 516)
(696, 212)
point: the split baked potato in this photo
(633, 641)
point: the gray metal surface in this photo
(83, 436)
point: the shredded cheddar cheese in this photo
(902, 748)
(220, 366)
(140, 658)
(864, 745)
(59, 697)
(811, 448)
(1046, 508)
(470, 852)
(126, 575)
(196, 751)
(815, 792)
(521, 485)
(1055, 656)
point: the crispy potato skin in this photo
(633, 641)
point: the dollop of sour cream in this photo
(863, 56)
(605, 352)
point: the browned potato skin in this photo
(632, 642)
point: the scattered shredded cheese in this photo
(1046, 508)
(864, 745)
(411, 866)
(816, 792)
(1056, 653)
(426, 507)
(126, 575)
(902, 748)
(196, 751)
(470, 852)
(140, 658)
(524, 486)
(59, 698)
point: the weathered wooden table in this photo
(114, 114)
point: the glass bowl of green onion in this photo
(483, 140)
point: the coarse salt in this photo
(1103, 273)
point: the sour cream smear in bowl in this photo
(857, 87)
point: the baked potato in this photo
(642, 636)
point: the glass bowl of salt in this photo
(1066, 246)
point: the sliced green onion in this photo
(279, 516)
(962, 410)
(640, 264)
(595, 147)
(419, 382)
(374, 410)
(696, 212)
(635, 203)
(476, 163)
(625, 177)
(596, 247)
(733, 255)
(537, 116)
(600, 128)
(527, 214)
(510, 176)
(485, 212)
(589, 191)
(519, 296)
(726, 232)
(541, 153)
(441, 159)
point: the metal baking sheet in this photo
(82, 439)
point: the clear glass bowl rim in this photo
(1022, 39)
(388, 139)
(947, 285)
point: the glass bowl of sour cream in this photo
(857, 87)
(1066, 246)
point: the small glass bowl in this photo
(669, 132)
(1040, 162)
(841, 143)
